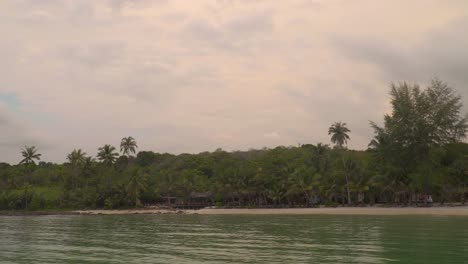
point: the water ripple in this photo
(233, 239)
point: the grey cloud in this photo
(92, 55)
(356, 104)
(3, 120)
(12, 137)
(240, 34)
(440, 53)
(77, 14)
(203, 30)
(119, 4)
(194, 76)
(161, 81)
(393, 59)
(42, 3)
(255, 23)
(32, 5)
(174, 17)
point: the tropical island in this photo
(417, 158)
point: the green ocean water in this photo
(233, 239)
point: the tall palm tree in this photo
(107, 154)
(76, 158)
(320, 152)
(350, 170)
(339, 131)
(88, 169)
(128, 145)
(29, 154)
(136, 185)
(27, 195)
(304, 181)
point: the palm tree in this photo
(76, 158)
(339, 131)
(128, 145)
(136, 185)
(88, 169)
(29, 154)
(27, 195)
(304, 181)
(320, 152)
(351, 171)
(107, 154)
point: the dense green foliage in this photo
(418, 151)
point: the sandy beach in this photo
(130, 211)
(436, 211)
(441, 211)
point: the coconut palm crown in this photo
(128, 145)
(76, 157)
(107, 154)
(339, 131)
(29, 154)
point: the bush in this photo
(108, 204)
(15, 200)
(37, 203)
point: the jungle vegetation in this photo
(418, 150)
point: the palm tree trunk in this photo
(27, 174)
(137, 200)
(73, 179)
(347, 181)
(347, 190)
(307, 199)
(463, 194)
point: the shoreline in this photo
(370, 211)
(375, 211)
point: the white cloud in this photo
(271, 135)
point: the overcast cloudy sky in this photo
(190, 76)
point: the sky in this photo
(190, 76)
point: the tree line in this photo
(418, 151)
